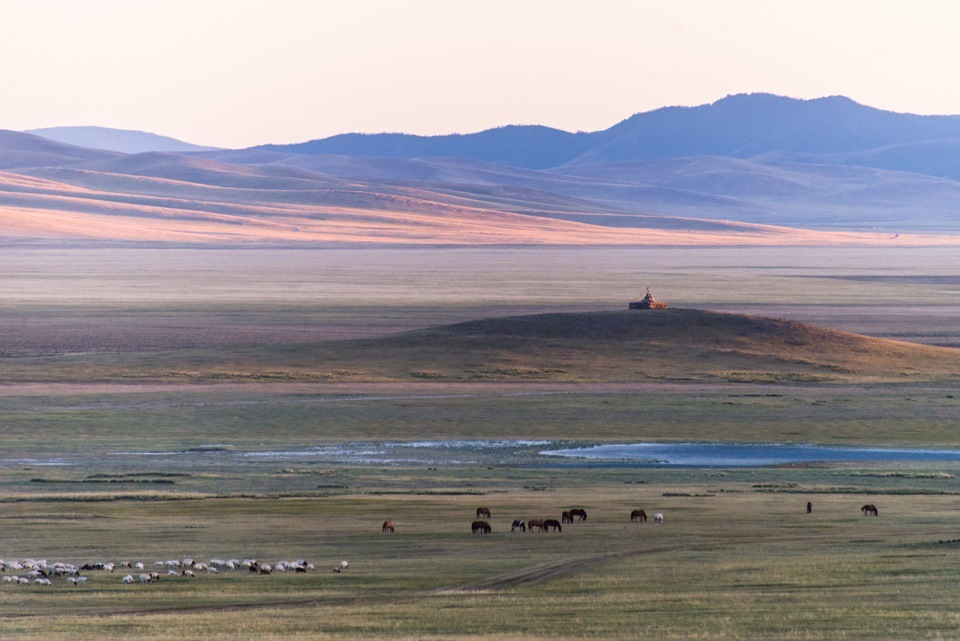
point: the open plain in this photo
(281, 404)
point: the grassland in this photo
(107, 456)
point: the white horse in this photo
(658, 518)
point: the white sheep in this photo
(145, 578)
(129, 578)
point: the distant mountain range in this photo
(122, 140)
(832, 130)
(746, 169)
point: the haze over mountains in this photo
(746, 169)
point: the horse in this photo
(483, 512)
(566, 518)
(870, 510)
(809, 507)
(551, 523)
(580, 514)
(480, 526)
(388, 527)
(535, 523)
(658, 518)
(638, 515)
(518, 525)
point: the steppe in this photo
(164, 402)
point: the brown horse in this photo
(551, 523)
(480, 526)
(566, 518)
(483, 512)
(388, 527)
(580, 514)
(870, 510)
(535, 524)
(638, 515)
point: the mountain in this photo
(739, 126)
(122, 140)
(533, 147)
(748, 169)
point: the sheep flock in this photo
(42, 573)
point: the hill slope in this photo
(617, 346)
(122, 140)
(739, 126)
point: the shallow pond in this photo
(742, 454)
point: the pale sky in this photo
(237, 73)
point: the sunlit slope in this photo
(627, 346)
(52, 191)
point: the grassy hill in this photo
(627, 346)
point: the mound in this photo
(614, 346)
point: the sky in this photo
(238, 73)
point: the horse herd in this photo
(481, 526)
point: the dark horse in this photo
(580, 514)
(566, 518)
(483, 512)
(552, 523)
(870, 510)
(638, 515)
(518, 525)
(480, 526)
(535, 523)
(388, 527)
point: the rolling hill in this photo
(122, 140)
(619, 346)
(747, 169)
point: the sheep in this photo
(189, 574)
(23, 581)
(42, 581)
(138, 565)
(172, 572)
(212, 570)
(265, 569)
(145, 578)
(81, 580)
(8, 579)
(129, 578)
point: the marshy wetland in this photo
(168, 403)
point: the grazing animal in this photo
(638, 515)
(483, 512)
(658, 518)
(566, 518)
(809, 507)
(480, 526)
(388, 527)
(128, 578)
(580, 514)
(551, 523)
(535, 523)
(264, 569)
(518, 525)
(870, 510)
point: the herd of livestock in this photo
(482, 526)
(40, 572)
